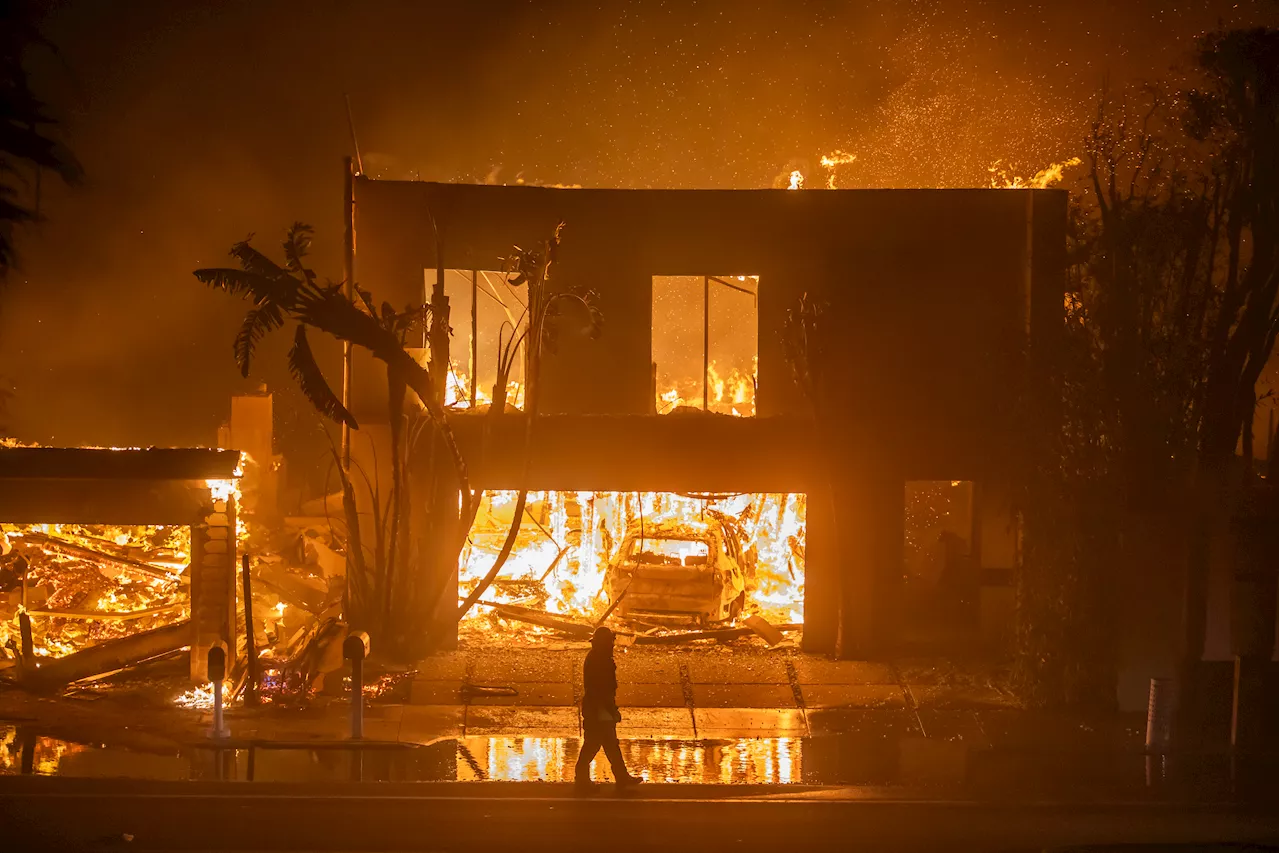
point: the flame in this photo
(221, 490)
(200, 697)
(225, 490)
(564, 547)
(731, 391)
(830, 161)
(457, 391)
(797, 180)
(1042, 179)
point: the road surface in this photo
(67, 814)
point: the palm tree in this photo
(292, 293)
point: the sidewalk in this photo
(694, 716)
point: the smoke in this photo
(106, 337)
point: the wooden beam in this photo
(112, 655)
(101, 501)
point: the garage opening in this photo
(651, 565)
(939, 567)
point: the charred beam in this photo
(112, 655)
(66, 547)
(713, 634)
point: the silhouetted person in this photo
(600, 715)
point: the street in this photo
(36, 813)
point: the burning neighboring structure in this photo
(113, 555)
(945, 303)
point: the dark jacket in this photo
(599, 683)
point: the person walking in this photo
(600, 715)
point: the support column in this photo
(869, 516)
(349, 289)
(213, 583)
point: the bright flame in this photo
(830, 161)
(201, 697)
(457, 391)
(225, 490)
(730, 392)
(1043, 179)
(797, 180)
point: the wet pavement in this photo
(905, 763)
(740, 674)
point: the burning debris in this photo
(85, 584)
(82, 602)
(655, 565)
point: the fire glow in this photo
(565, 545)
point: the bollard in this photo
(355, 649)
(217, 661)
(1160, 703)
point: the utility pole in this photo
(706, 343)
(349, 288)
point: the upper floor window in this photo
(704, 343)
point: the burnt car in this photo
(679, 571)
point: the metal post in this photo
(355, 649)
(357, 699)
(1160, 708)
(251, 684)
(27, 739)
(706, 342)
(217, 708)
(475, 339)
(438, 339)
(217, 663)
(349, 288)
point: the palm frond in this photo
(251, 260)
(310, 378)
(413, 317)
(329, 310)
(239, 282)
(367, 298)
(297, 243)
(261, 318)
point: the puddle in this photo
(822, 760)
(467, 759)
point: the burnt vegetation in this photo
(1170, 320)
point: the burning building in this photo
(677, 451)
(115, 555)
